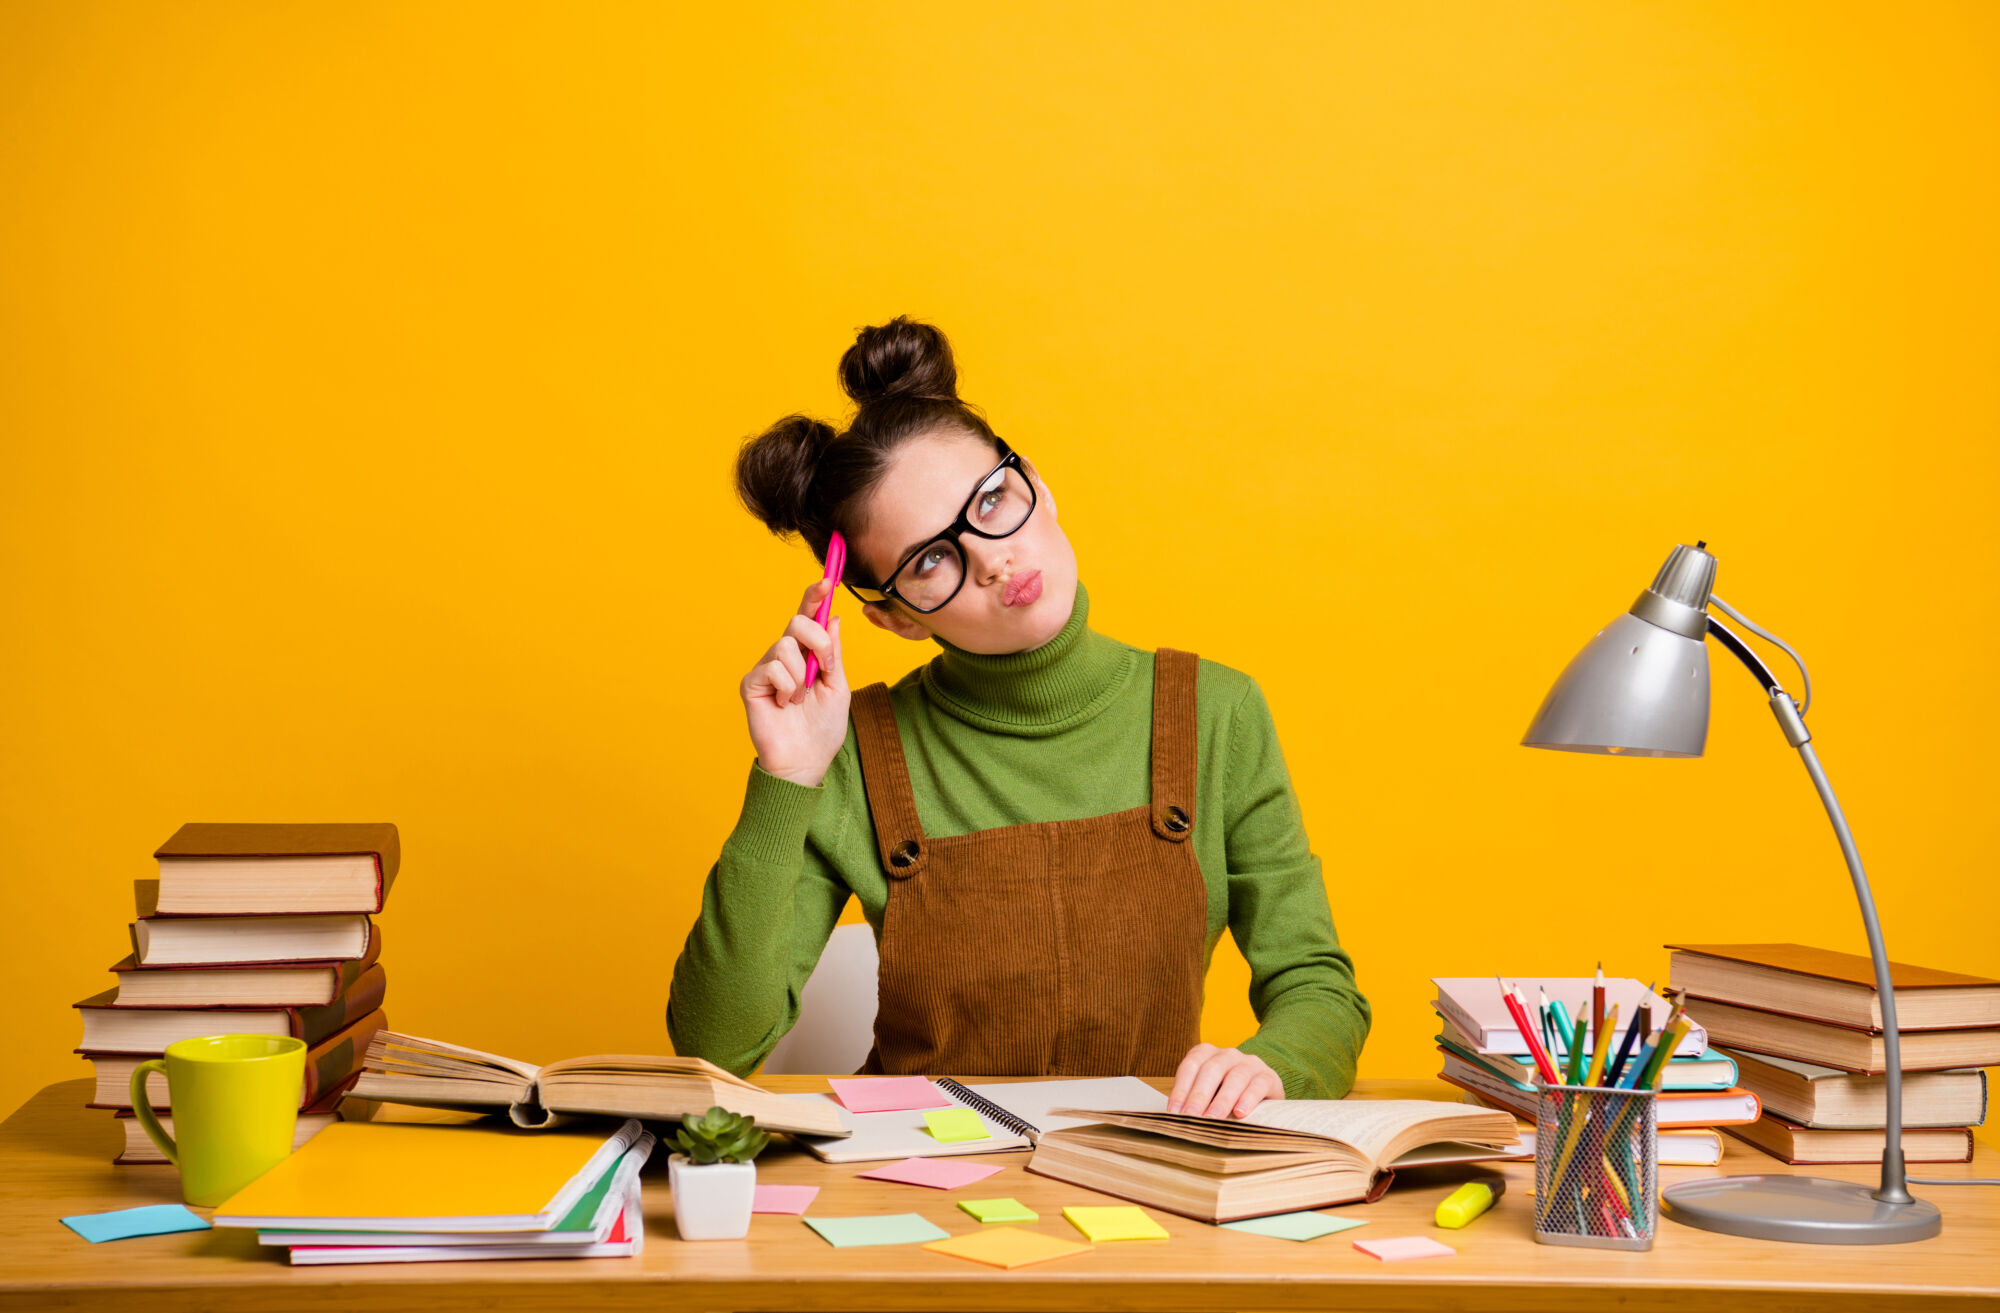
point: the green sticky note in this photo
(893, 1229)
(1296, 1226)
(953, 1124)
(999, 1210)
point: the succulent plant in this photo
(721, 1136)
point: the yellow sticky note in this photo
(952, 1124)
(1124, 1222)
(1007, 1246)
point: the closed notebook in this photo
(113, 1027)
(1826, 1098)
(1849, 1048)
(1016, 1113)
(590, 1221)
(624, 1238)
(1833, 987)
(253, 868)
(333, 1063)
(1792, 1143)
(372, 1176)
(234, 985)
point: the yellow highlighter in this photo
(1468, 1202)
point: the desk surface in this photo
(55, 1161)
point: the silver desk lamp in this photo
(1640, 689)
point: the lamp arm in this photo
(1894, 1188)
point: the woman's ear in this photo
(1043, 496)
(883, 617)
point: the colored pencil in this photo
(1597, 1005)
(1519, 1011)
(1603, 1049)
(1625, 1047)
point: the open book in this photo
(1288, 1154)
(408, 1069)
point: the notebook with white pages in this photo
(1017, 1112)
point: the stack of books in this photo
(250, 929)
(1804, 1026)
(367, 1192)
(1487, 1056)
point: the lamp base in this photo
(1811, 1210)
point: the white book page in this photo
(1031, 1100)
(1367, 1125)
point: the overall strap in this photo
(899, 836)
(1173, 744)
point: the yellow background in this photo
(374, 374)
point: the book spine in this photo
(315, 1024)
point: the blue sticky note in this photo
(124, 1223)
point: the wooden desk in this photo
(55, 1161)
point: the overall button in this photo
(905, 853)
(1177, 820)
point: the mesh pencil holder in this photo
(1597, 1154)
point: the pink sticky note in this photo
(782, 1198)
(1409, 1246)
(938, 1173)
(888, 1094)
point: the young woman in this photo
(1048, 829)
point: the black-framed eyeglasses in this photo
(930, 576)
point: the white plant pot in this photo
(711, 1200)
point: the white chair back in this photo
(836, 1025)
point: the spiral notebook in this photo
(1017, 1112)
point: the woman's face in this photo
(930, 479)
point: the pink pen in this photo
(836, 563)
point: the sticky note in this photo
(939, 1174)
(954, 1124)
(892, 1229)
(1007, 1246)
(1296, 1226)
(999, 1210)
(1411, 1246)
(888, 1094)
(124, 1223)
(1124, 1222)
(782, 1198)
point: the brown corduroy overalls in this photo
(1053, 948)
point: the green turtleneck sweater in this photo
(1059, 732)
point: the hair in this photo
(800, 476)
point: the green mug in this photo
(235, 1101)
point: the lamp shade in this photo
(1640, 688)
(1635, 689)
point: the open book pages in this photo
(1368, 1133)
(403, 1068)
(1287, 1155)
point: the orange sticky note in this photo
(1007, 1246)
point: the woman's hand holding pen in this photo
(798, 729)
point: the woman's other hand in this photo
(1213, 1082)
(797, 730)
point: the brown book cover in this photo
(1801, 1146)
(309, 1024)
(1850, 968)
(217, 839)
(140, 1151)
(1857, 1049)
(341, 975)
(369, 950)
(334, 1063)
